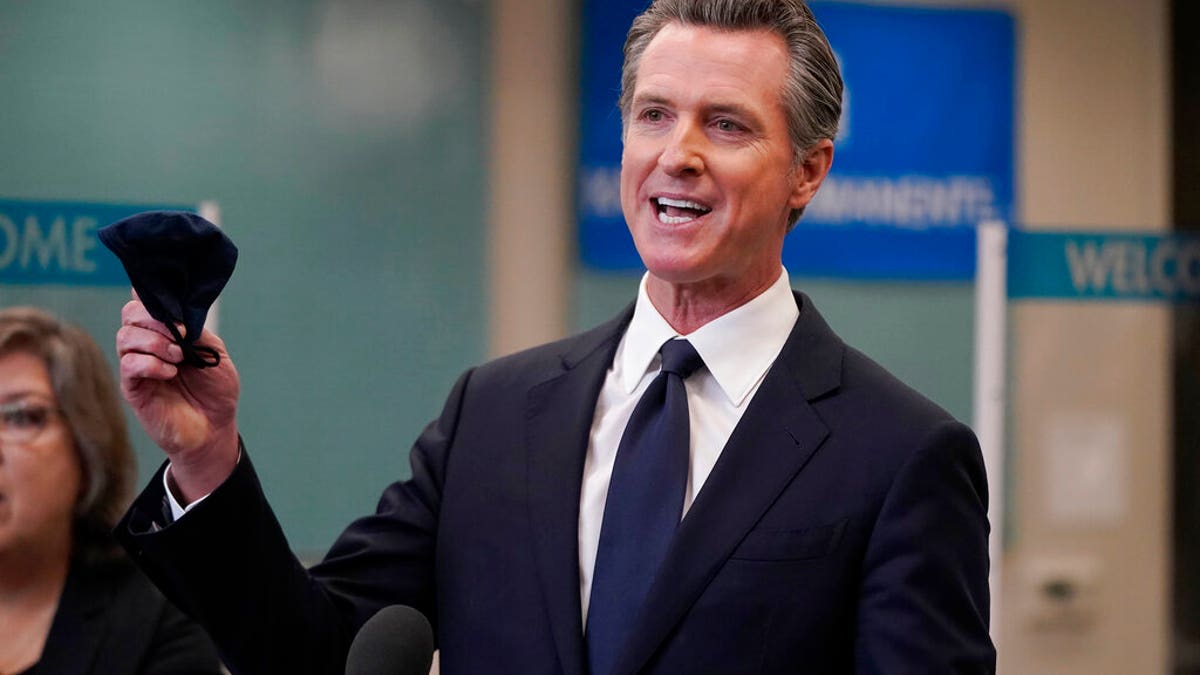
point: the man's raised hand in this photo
(191, 413)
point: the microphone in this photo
(398, 640)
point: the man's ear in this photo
(810, 172)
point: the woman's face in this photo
(40, 475)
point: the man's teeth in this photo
(676, 211)
(682, 203)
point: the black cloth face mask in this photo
(178, 263)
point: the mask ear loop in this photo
(195, 355)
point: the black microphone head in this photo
(398, 640)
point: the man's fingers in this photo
(135, 366)
(134, 313)
(137, 340)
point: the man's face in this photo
(707, 174)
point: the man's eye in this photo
(727, 125)
(652, 115)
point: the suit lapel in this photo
(771, 444)
(559, 418)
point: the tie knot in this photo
(680, 357)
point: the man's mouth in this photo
(678, 211)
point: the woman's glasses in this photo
(21, 422)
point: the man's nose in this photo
(684, 152)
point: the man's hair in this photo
(812, 92)
(87, 400)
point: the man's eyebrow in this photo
(735, 109)
(651, 98)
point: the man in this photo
(820, 516)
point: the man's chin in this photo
(676, 273)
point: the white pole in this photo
(991, 305)
(211, 211)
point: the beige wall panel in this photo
(1100, 367)
(1092, 123)
(1092, 154)
(531, 219)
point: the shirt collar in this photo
(737, 347)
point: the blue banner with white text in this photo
(1104, 266)
(923, 155)
(55, 243)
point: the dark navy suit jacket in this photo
(842, 530)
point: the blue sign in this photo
(924, 153)
(56, 242)
(1103, 266)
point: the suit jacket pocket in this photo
(784, 544)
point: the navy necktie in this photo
(645, 502)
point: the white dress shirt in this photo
(738, 348)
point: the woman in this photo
(69, 601)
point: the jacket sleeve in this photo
(923, 607)
(227, 563)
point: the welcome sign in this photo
(924, 153)
(43, 242)
(1103, 266)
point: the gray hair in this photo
(87, 398)
(812, 93)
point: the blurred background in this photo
(401, 179)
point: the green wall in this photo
(344, 142)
